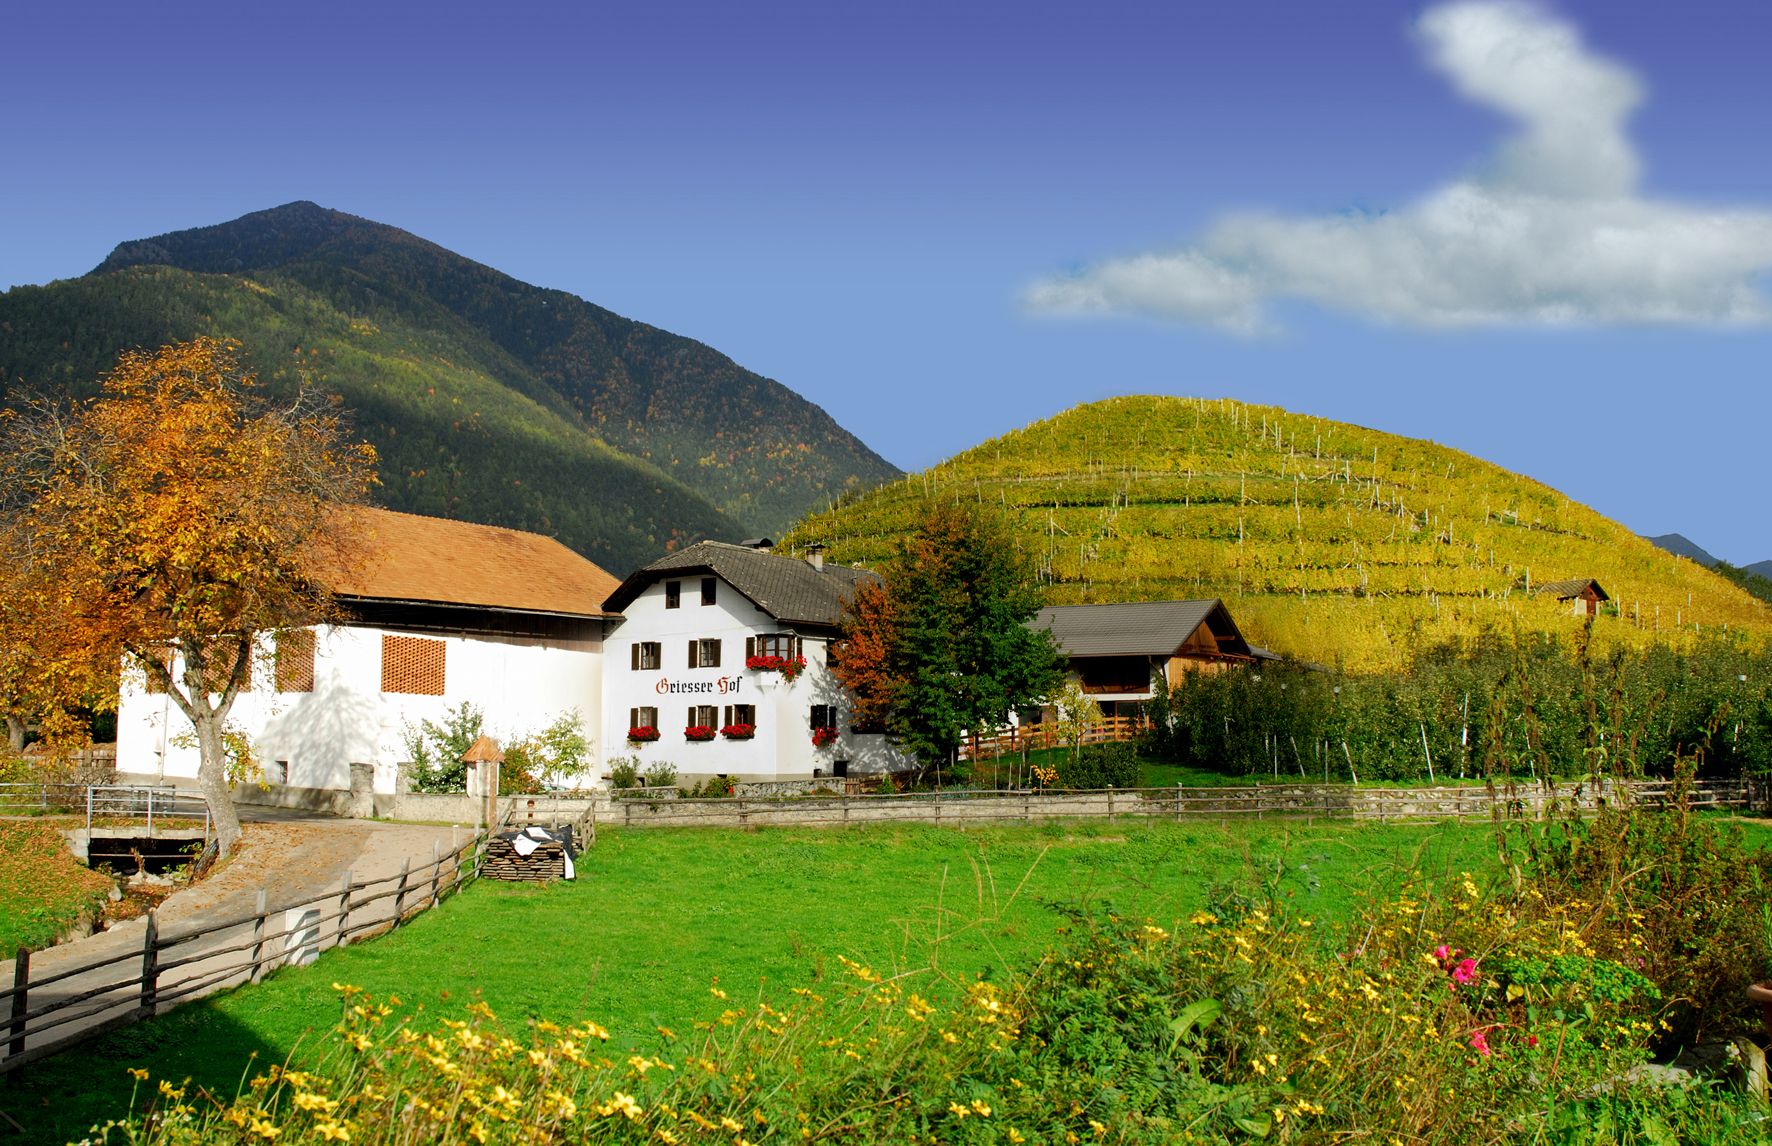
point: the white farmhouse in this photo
(707, 656)
(443, 612)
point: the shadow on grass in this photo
(59, 1099)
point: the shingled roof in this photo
(789, 589)
(1138, 628)
(430, 560)
(1572, 588)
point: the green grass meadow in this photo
(656, 917)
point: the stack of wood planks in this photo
(546, 863)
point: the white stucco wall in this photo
(522, 684)
(782, 747)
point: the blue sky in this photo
(941, 222)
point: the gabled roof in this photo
(1573, 588)
(430, 560)
(789, 589)
(1138, 628)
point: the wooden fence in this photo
(1016, 739)
(44, 1013)
(1333, 801)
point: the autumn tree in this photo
(943, 648)
(173, 519)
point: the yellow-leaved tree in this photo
(168, 522)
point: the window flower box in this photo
(699, 732)
(739, 731)
(823, 736)
(788, 667)
(644, 734)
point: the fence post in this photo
(258, 938)
(845, 800)
(150, 813)
(938, 805)
(21, 982)
(150, 963)
(1110, 803)
(400, 896)
(344, 908)
(45, 790)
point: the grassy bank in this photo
(43, 888)
(656, 917)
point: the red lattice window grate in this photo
(412, 665)
(295, 661)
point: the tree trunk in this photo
(212, 778)
(15, 732)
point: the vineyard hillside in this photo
(1331, 542)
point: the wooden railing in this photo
(46, 1013)
(1035, 737)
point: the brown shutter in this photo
(692, 655)
(633, 718)
(634, 659)
(750, 647)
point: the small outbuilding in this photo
(1582, 594)
(1117, 650)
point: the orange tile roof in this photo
(413, 558)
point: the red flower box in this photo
(739, 731)
(699, 732)
(643, 734)
(789, 667)
(823, 736)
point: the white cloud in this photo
(1553, 231)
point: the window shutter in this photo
(634, 658)
(727, 719)
(633, 718)
(750, 647)
(693, 650)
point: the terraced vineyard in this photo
(1332, 542)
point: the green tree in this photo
(948, 650)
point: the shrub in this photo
(436, 750)
(624, 772)
(660, 774)
(1111, 765)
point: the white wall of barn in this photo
(522, 684)
(782, 747)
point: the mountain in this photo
(1328, 541)
(1759, 569)
(489, 399)
(1682, 546)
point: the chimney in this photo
(815, 555)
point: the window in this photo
(278, 772)
(824, 716)
(707, 590)
(673, 594)
(642, 718)
(646, 656)
(704, 653)
(703, 715)
(740, 714)
(783, 645)
(412, 665)
(295, 661)
(219, 654)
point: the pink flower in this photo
(1442, 953)
(1531, 1040)
(1465, 972)
(1480, 1041)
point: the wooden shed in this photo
(1582, 594)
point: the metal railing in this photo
(142, 802)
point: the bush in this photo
(1666, 890)
(1111, 765)
(624, 772)
(660, 774)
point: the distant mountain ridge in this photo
(489, 399)
(1755, 578)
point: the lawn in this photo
(656, 917)
(43, 888)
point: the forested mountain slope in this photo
(490, 399)
(1331, 542)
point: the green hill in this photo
(1331, 542)
(489, 399)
